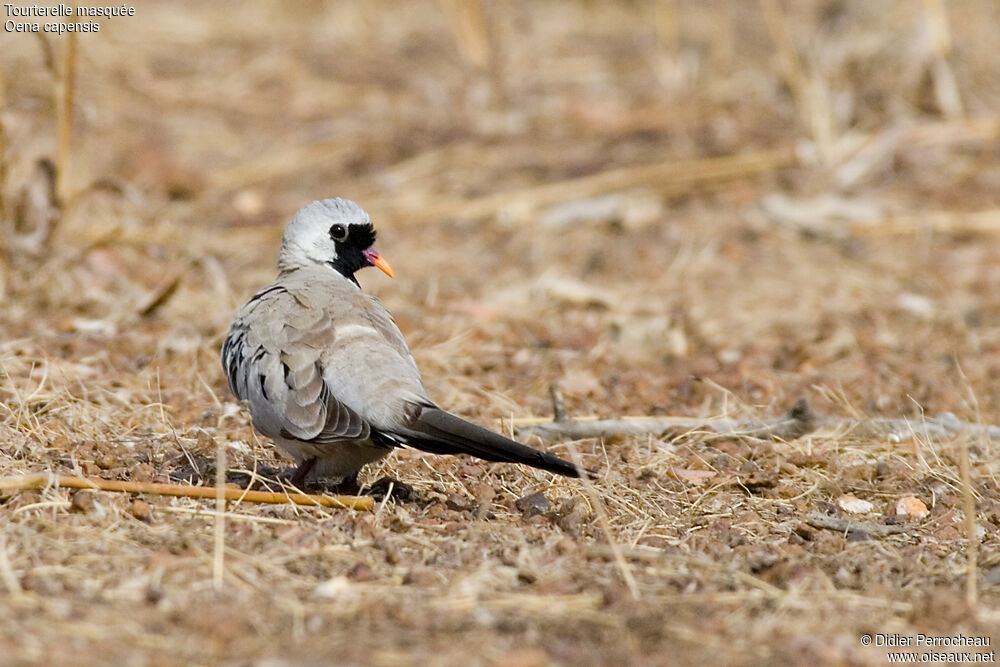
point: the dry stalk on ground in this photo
(48, 480)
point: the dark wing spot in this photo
(263, 389)
(232, 356)
(264, 292)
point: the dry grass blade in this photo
(7, 575)
(160, 294)
(602, 518)
(810, 92)
(470, 30)
(946, 93)
(969, 507)
(282, 163)
(65, 98)
(672, 178)
(218, 556)
(45, 480)
(936, 222)
(4, 204)
(230, 516)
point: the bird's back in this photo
(309, 341)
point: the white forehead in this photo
(325, 212)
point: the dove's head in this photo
(330, 232)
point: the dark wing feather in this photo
(434, 430)
(282, 379)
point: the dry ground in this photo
(852, 260)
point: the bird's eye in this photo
(338, 232)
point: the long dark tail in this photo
(440, 432)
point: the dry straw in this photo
(65, 98)
(44, 480)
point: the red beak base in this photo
(378, 261)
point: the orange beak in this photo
(379, 261)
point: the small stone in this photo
(337, 589)
(458, 503)
(360, 572)
(401, 522)
(532, 505)
(804, 531)
(949, 518)
(916, 304)
(566, 545)
(527, 576)
(911, 507)
(86, 503)
(153, 595)
(828, 508)
(948, 534)
(141, 510)
(421, 577)
(694, 477)
(82, 502)
(105, 461)
(248, 203)
(570, 521)
(484, 492)
(143, 473)
(525, 657)
(390, 548)
(854, 505)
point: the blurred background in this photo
(776, 196)
(623, 196)
(665, 206)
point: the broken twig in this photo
(827, 522)
(796, 423)
(799, 421)
(159, 295)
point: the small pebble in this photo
(532, 505)
(141, 510)
(458, 503)
(912, 507)
(360, 572)
(336, 589)
(484, 492)
(86, 503)
(854, 505)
